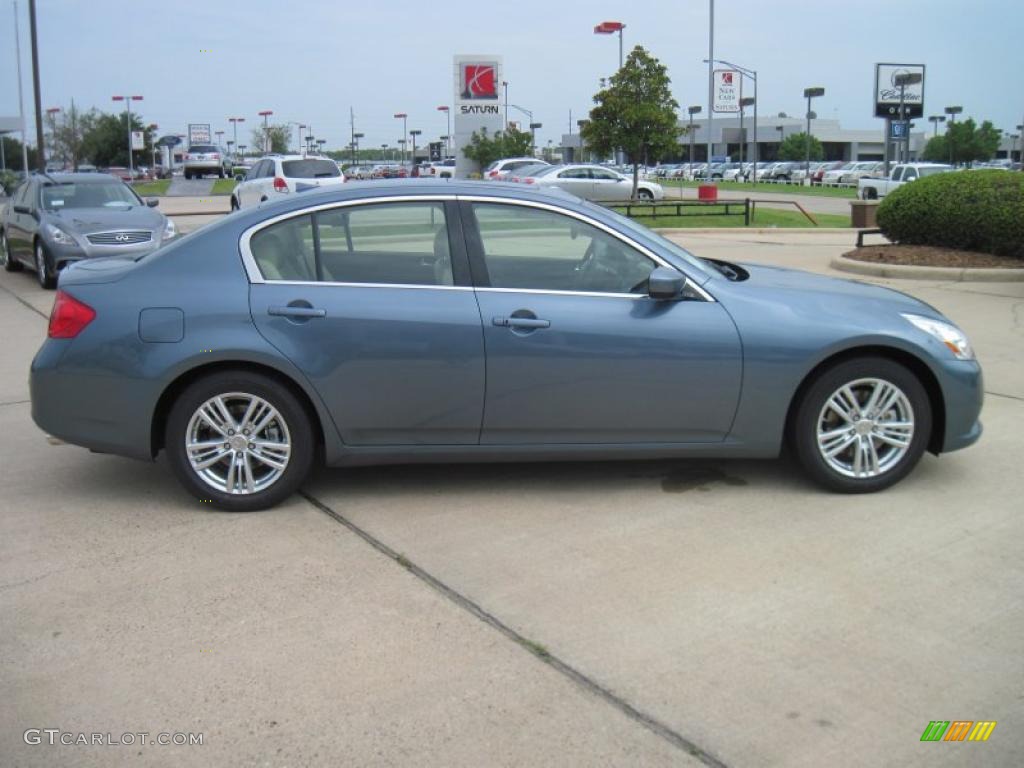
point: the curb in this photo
(949, 274)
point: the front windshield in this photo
(56, 197)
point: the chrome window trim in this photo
(256, 277)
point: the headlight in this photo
(59, 235)
(954, 339)
(169, 230)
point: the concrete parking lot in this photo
(649, 613)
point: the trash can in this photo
(863, 214)
(707, 193)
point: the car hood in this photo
(85, 221)
(836, 293)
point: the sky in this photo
(203, 61)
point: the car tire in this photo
(220, 174)
(10, 263)
(287, 436)
(234, 204)
(849, 450)
(47, 279)
(870, 194)
(645, 194)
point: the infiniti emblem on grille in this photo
(122, 238)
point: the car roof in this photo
(86, 178)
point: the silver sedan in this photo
(593, 182)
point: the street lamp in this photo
(745, 102)
(384, 152)
(355, 142)
(405, 131)
(320, 145)
(581, 124)
(448, 114)
(610, 28)
(752, 74)
(234, 124)
(952, 112)
(128, 104)
(533, 137)
(694, 110)
(782, 135)
(265, 114)
(414, 133)
(809, 93)
(935, 120)
(504, 85)
(901, 81)
(219, 134)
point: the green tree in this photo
(280, 138)
(12, 157)
(105, 141)
(65, 134)
(485, 149)
(936, 150)
(794, 147)
(635, 113)
(966, 142)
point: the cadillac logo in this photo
(478, 81)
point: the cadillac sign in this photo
(887, 93)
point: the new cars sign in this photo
(887, 91)
(728, 90)
(198, 133)
(477, 80)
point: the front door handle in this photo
(298, 311)
(521, 322)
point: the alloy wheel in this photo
(865, 428)
(238, 443)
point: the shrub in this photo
(967, 210)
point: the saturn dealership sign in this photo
(477, 107)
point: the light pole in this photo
(533, 137)
(935, 120)
(265, 114)
(752, 74)
(745, 102)
(809, 93)
(448, 114)
(219, 135)
(694, 110)
(610, 28)
(504, 85)
(782, 135)
(581, 124)
(153, 127)
(128, 104)
(401, 143)
(234, 125)
(242, 148)
(952, 112)
(320, 145)
(405, 131)
(901, 81)
(384, 152)
(414, 133)
(355, 147)
(711, 78)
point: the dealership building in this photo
(837, 142)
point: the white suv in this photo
(276, 175)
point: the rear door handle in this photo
(297, 311)
(521, 322)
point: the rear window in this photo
(202, 148)
(310, 169)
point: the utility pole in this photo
(40, 153)
(711, 81)
(21, 101)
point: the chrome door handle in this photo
(296, 312)
(520, 322)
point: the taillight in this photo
(280, 185)
(69, 316)
(215, 156)
(528, 180)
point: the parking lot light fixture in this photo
(581, 124)
(448, 114)
(405, 130)
(414, 133)
(694, 110)
(952, 112)
(810, 93)
(935, 120)
(533, 136)
(745, 102)
(265, 114)
(128, 105)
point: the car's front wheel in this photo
(239, 440)
(10, 263)
(862, 425)
(234, 203)
(47, 279)
(645, 194)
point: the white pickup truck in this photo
(873, 189)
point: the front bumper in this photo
(63, 255)
(963, 390)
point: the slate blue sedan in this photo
(459, 321)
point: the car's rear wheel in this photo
(10, 263)
(645, 194)
(47, 279)
(234, 203)
(239, 440)
(870, 194)
(862, 425)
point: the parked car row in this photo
(591, 182)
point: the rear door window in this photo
(310, 169)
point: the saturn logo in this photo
(478, 81)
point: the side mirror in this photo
(152, 202)
(665, 283)
(239, 177)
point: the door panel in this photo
(576, 350)
(395, 364)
